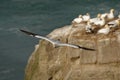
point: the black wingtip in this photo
(28, 33)
(86, 48)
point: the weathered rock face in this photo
(65, 63)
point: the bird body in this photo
(114, 23)
(108, 16)
(95, 19)
(103, 15)
(47, 39)
(104, 30)
(100, 22)
(55, 43)
(78, 19)
(86, 17)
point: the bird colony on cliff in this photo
(102, 24)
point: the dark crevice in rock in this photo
(50, 78)
(75, 58)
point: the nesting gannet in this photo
(114, 23)
(86, 17)
(104, 30)
(95, 19)
(108, 16)
(119, 16)
(55, 42)
(78, 19)
(100, 22)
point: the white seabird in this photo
(86, 17)
(55, 42)
(92, 20)
(104, 30)
(114, 23)
(78, 20)
(100, 22)
(109, 16)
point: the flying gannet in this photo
(55, 43)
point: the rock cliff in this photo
(65, 63)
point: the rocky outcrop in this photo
(65, 63)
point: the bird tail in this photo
(28, 33)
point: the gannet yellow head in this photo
(80, 16)
(87, 14)
(99, 15)
(112, 10)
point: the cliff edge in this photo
(66, 63)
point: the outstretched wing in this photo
(28, 33)
(76, 46)
(86, 48)
(69, 45)
(37, 36)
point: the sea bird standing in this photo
(55, 43)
